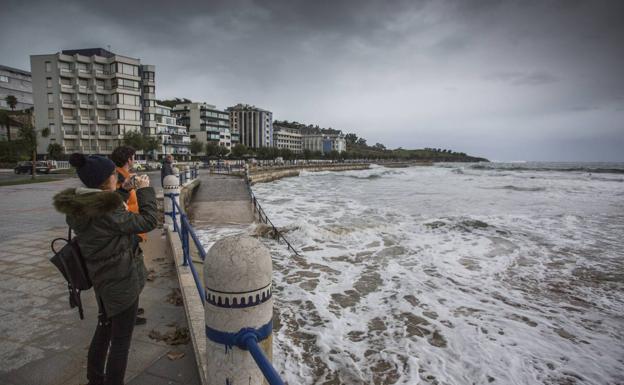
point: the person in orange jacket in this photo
(123, 157)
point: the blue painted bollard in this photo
(238, 310)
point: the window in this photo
(129, 100)
(50, 113)
(52, 127)
(125, 83)
(128, 115)
(49, 82)
(50, 98)
(149, 89)
(48, 66)
(4, 79)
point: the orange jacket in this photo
(132, 203)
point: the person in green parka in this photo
(106, 233)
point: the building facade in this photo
(286, 137)
(254, 126)
(324, 140)
(174, 139)
(206, 123)
(18, 83)
(89, 98)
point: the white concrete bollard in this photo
(237, 280)
(187, 171)
(171, 185)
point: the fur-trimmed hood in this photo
(90, 203)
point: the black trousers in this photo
(108, 352)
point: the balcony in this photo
(87, 135)
(105, 134)
(67, 87)
(70, 134)
(68, 103)
(69, 119)
(171, 142)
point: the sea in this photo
(481, 273)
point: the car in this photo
(26, 168)
(139, 167)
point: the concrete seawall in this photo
(269, 174)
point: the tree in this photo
(5, 120)
(11, 101)
(133, 139)
(351, 138)
(196, 147)
(55, 151)
(239, 150)
(151, 144)
(361, 142)
(379, 146)
(212, 149)
(222, 151)
(28, 137)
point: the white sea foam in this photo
(425, 275)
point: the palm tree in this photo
(11, 101)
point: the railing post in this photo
(187, 173)
(171, 189)
(237, 280)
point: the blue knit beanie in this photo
(93, 170)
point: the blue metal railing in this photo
(263, 217)
(244, 339)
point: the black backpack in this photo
(71, 264)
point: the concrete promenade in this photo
(220, 201)
(42, 340)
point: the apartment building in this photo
(322, 140)
(174, 138)
(206, 123)
(253, 125)
(287, 137)
(18, 83)
(89, 98)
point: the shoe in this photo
(140, 311)
(140, 321)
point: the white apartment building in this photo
(18, 83)
(253, 124)
(206, 123)
(323, 140)
(88, 98)
(334, 142)
(174, 138)
(286, 137)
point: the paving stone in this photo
(53, 369)
(150, 379)
(23, 269)
(30, 260)
(23, 329)
(183, 370)
(14, 355)
(16, 301)
(13, 257)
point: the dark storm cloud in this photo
(488, 77)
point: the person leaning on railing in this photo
(106, 230)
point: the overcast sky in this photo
(508, 80)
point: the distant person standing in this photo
(167, 168)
